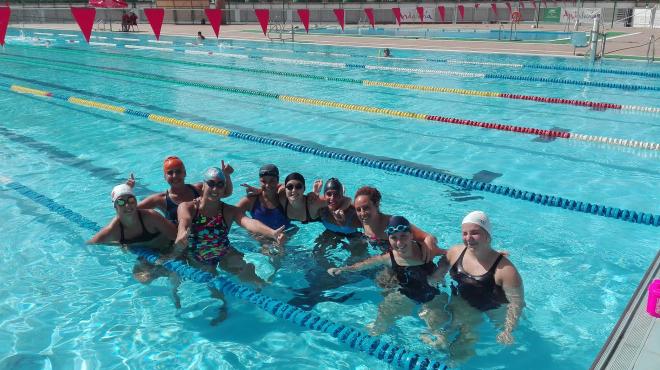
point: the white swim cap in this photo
(120, 190)
(478, 218)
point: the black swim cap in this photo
(269, 170)
(397, 224)
(333, 184)
(295, 176)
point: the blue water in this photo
(64, 304)
(432, 33)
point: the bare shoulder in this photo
(454, 252)
(507, 273)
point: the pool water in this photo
(68, 305)
(433, 33)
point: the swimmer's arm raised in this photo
(227, 170)
(369, 262)
(428, 242)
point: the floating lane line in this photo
(409, 170)
(377, 110)
(125, 39)
(138, 47)
(394, 85)
(355, 339)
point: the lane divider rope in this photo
(375, 110)
(393, 85)
(409, 170)
(355, 339)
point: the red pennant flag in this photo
(522, 4)
(85, 19)
(461, 11)
(545, 4)
(397, 15)
(370, 15)
(263, 15)
(420, 11)
(494, 7)
(5, 13)
(339, 14)
(215, 18)
(533, 3)
(155, 17)
(476, 5)
(441, 10)
(508, 5)
(303, 14)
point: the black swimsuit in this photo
(145, 236)
(308, 218)
(171, 207)
(413, 280)
(480, 291)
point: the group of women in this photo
(194, 223)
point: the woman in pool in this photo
(297, 205)
(374, 223)
(179, 192)
(484, 279)
(264, 205)
(416, 279)
(204, 226)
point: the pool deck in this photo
(634, 343)
(635, 340)
(633, 44)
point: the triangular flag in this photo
(533, 3)
(370, 15)
(339, 14)
(155, 17)
(85, 19)
(494, 7)
(441, 11)
(476, 5)
(303, 14)
(522, 4)
(263, 15)
(508, 5)
(5, 12)
(420, 11)
(545, 4)
(215, 18)
(461, 11)
(397, 15)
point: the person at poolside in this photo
(204, 225)
(175, 175)
(263, 203)
(484, 279)
(297, 205)
(416, 279)
(146, 228)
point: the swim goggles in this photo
(122, 202)
(396, 229)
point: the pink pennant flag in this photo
(85, 19)
(370, 15)
(303, 14)
(533, 3)
(339, 14)
(508, 5)
(263, 15)
(476, 5)
(545, 4)
(461, 11)
(5, 13)
(522, 4)
(494, 7)
(420, 11)
(441, 10)
(215, 18)
(397, 15)
(155, 17)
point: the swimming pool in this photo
(69, 305)
(439, 33)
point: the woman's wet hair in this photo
(295, 176)
(372, 193)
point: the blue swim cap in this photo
(397, 224)
(213, 173)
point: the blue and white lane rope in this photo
(355, 339)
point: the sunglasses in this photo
(172, 172)
(294, 186)
(213, 184)
(122, 202)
